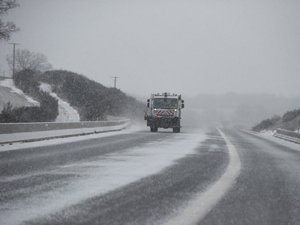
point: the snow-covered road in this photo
(138, 177)
(95, 176)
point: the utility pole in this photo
(14, 57)
(115, 81)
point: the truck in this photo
(164, 111)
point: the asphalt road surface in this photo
(194, 177)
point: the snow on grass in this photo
(103, 174)
(66, 113)
(10, 84)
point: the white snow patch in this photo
(9, 83)
(104, 174)
(66, 113)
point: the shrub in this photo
(93, 100)
(290, 115)
(48, 110)
(266, 124)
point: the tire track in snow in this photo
(100, 176)
(204, 202)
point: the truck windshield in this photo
(165, 103)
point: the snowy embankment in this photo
(66, 113)
(18, 98)
(10, 93)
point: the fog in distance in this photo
(226, 57)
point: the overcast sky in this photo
(182, 46)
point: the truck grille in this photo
(164, 113)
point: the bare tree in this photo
(6, 28)
(24, 59)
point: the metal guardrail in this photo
(7, 128)
(287, 135)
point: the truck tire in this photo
(153, 129)
(176, 130)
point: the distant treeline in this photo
(290, 121)
(92, 100)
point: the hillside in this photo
(92, 100)
(45, 111)
(289, 121)
(66, 113)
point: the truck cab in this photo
(164, 111)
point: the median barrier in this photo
(28, 132)
(6, 128)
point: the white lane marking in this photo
(204, 202)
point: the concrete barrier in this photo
(6, 128)
(46, 131)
